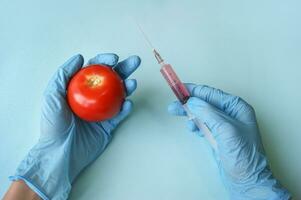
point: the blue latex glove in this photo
(240, 155)
(68, 144)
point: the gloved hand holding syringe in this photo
(180, 91)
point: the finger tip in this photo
(79, 56)
(193, 100)
(111, 58)
(73, 64)
(172, 106)
(191, 126)
(76, 59)
(190, 87)
(126, 67)
(115, 56)
(170, 109)
(127, 105)
(134, 82)
(136, 60)
(175, 108)
(131, 85)
(80, 59)
(194, 89)
(190, 84)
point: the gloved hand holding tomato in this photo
(68, 143)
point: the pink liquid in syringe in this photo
(174, 82)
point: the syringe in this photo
(180, 91)
(182, 95)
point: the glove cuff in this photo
(42, 169)
(39, 191)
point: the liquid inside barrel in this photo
(175, 83)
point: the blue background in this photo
(248, 48)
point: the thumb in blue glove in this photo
(240, 155)
(68, 144)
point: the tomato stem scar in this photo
(94, 80)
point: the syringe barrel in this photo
(182, 94)
(175, 83)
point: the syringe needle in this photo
(155, 52)
(145, 36)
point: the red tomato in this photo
(96, 93)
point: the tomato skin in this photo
(96, 93)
